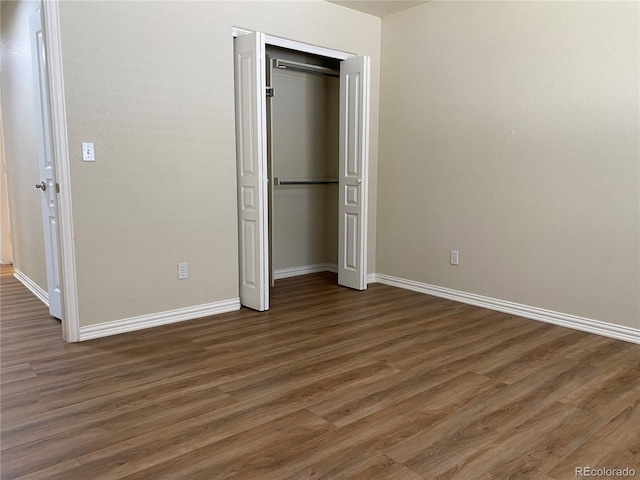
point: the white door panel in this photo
(354, 152)
(251, 170)
(48, 185)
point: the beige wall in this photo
(151, 84)
(20, 144)
(6, 256)
(509, 131)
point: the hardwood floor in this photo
(329, 384)
(6, 270)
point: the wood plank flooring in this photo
(329, 384)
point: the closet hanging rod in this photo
(304, 181)
(305, 67)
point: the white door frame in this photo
(62, 174)
(326, 52)
(295, 45)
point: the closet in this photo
(302, 155)
(302, 161)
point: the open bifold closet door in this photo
(354, 154)
(251, 170)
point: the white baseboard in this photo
(549, 316)
(304, 270)
(31, 286)
(319, 267)
(156, 319)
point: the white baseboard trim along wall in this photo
(224, 306)
(31, 286)
(563, 319)
(304, 270)
(157, 319)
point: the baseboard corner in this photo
(32, 286)
(304, 270)
(131, 324)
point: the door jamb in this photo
(295, 45)
(62, 175)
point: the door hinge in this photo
(57, 187)
(270, 92)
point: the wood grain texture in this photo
(329, 384)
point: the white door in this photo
(47, 184)
(251, 159)
(354, 154)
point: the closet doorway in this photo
(302, 162)
(302, 136)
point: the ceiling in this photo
(379, 8)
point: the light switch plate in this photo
(88, 152)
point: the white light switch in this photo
(88, 154)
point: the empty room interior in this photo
(320, 239)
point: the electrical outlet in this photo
(183, 271)
(454, 257)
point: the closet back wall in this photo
(305, 146)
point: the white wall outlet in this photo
(454, 257)
(183, 271)
(88, 152)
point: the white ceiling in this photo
(379, 8)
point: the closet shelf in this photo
(305, 67)
(304, 181)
